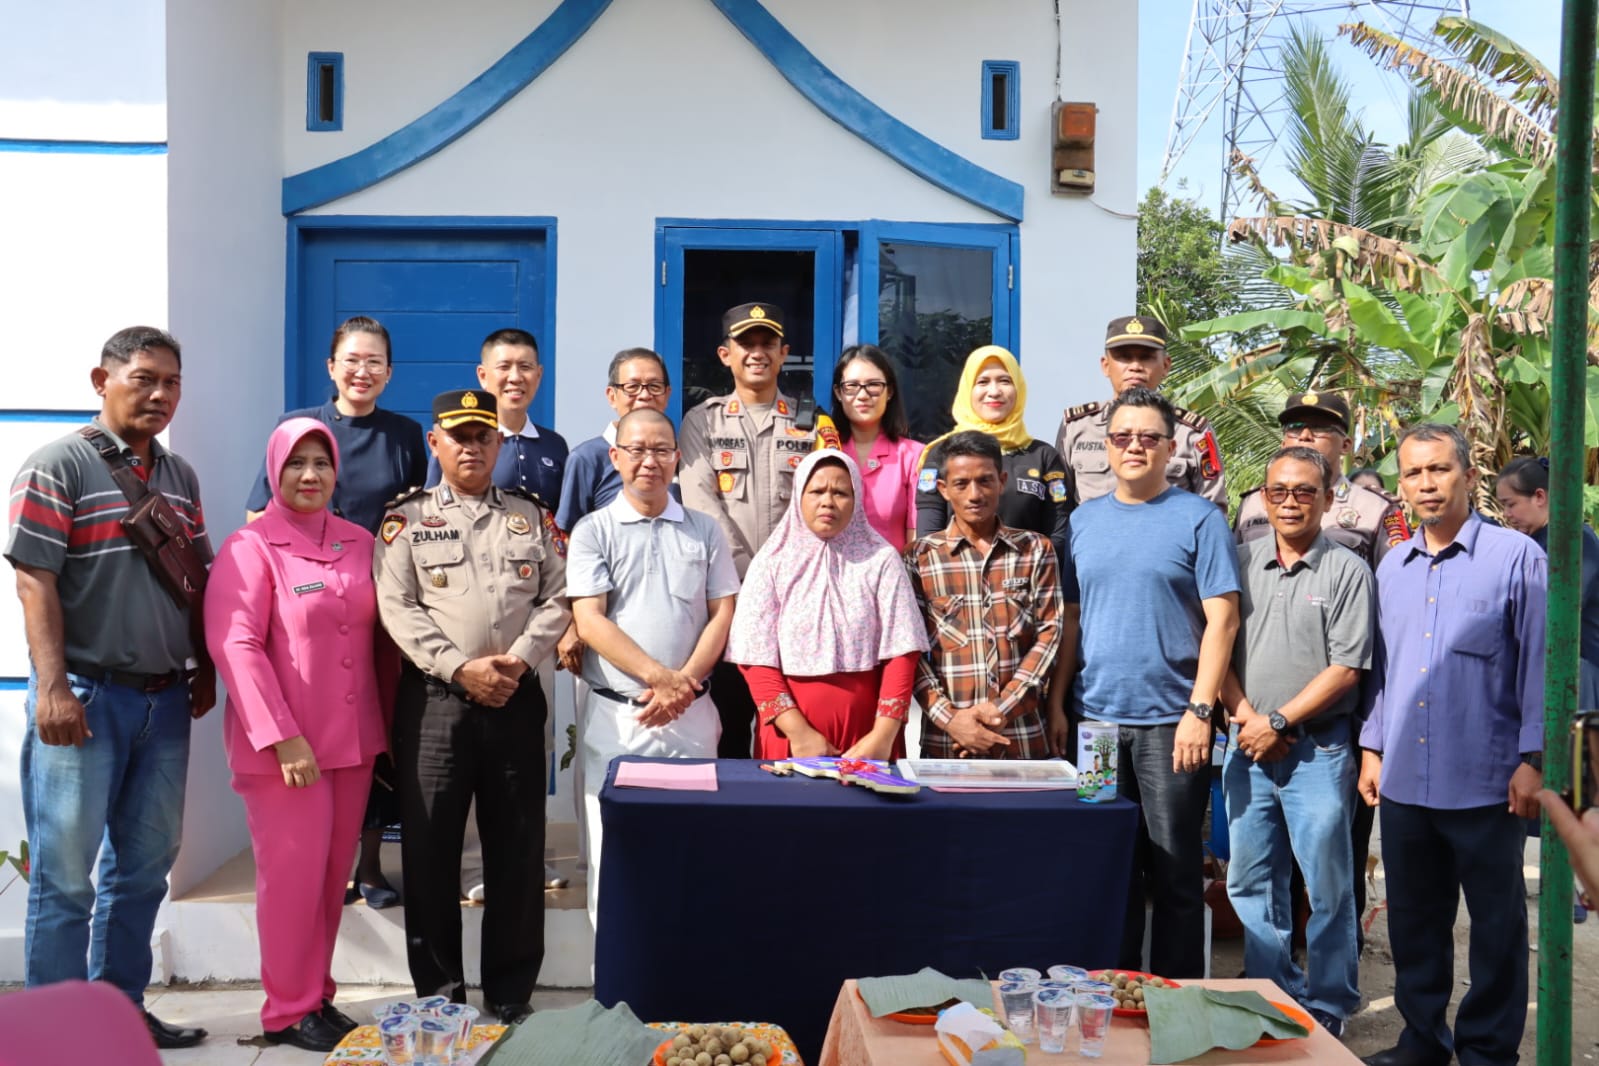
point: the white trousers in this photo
(610, 729)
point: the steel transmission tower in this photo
(1232, 77)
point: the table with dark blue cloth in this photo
(757, 901)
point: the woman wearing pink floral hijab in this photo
(827, 631)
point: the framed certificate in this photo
(990, 773)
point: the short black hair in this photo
(1526, 475)
(1361, 471)
(973, 443)
(124, 343)
(627, 355)
(521, 338)
(1302, 454)
(645, 414)
(1139, 396)
(1437, 431)
(894, 425)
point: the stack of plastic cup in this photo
(1052, 1016)
(435, 1041)
(398, 1034)
(1067, 973)
(430, 1004)
(388, 1009)
(1020, 975)
(464, 1017)
(1016, 998)
(1093, 1023)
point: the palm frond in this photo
(1375, 259)
(1502, 59)
(1465, 98)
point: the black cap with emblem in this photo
(451, 409)
(1327, 403)
(1129, 330)
(746, 317)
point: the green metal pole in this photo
(1573, 170)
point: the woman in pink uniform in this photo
(291, 620)
(871, 417)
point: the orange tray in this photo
(903, 1018)
(1127, 1012)
(784, 1053)
(1293, 1011)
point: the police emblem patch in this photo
(392, 525)
(927, 479)
(524, 571)
(1057, 491)
(1349, 518)
(726, 458)
(517, 523)
(724, 481)
(794, 462)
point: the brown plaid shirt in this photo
(994, 624)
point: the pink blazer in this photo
(889, 480)
(294, 631)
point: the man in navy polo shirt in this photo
(109, 699)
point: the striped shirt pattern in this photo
(66, 517)
(994, 625)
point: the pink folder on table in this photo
(685, 777)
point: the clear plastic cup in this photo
(1098, 988)
(1016, 997)
(435, 1041)
(398, 1033)
(1052, 1017)
(464, 1017)
(1067, 973)
(1093, 1023)
(396, 1010)
(1019, 975)
(430, 1004)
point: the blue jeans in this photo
(1296, 808)
(119, 796)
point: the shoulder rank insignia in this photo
(1082, 409)
(392, 525)
(406, 494)
(1192, 419)
(782, 407)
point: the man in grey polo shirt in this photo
(1306, 636)
(652, 587)
(109, 699)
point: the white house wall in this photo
(663, 109)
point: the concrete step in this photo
(209, 934)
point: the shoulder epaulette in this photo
(405, 496)
(1250, 493)
(1192, 419)
(526, 494)
(1387, 496)
(1073, 413)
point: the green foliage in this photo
(1179, 258)
(19, 862)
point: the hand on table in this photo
(809, 744)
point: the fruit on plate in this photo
(1128, 988)
(709, 1045)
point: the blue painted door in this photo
(439, 287)
(702, 270)
(929, 293)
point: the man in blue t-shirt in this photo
(1155, 576)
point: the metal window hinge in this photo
(663, 272)
(1010, 275)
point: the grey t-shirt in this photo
(1297, 622)
(658, 576)
(66, 517)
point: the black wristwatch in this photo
(1200, 711)
(1278, 723)
(1533, 759)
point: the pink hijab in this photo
(284, 439)
(812, 607)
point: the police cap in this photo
(453, 408)
(1327, 403)
(1135, 329)
(746, 317)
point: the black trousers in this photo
(448, 751)
(736, 708)
(1432, 857)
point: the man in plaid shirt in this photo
(992, 600)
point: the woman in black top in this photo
(991, 396)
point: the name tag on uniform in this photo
(315, 586)
(1015, 582)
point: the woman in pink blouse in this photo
(291, 620)
(871, 420)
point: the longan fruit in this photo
(740, 1053)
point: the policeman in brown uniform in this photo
(739, 455)
(472, 589)
(1135, 354)
(1366, 521)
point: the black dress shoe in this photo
(171, 1037)
(312, 1034)
(1399, 1055)
(513, 1013)
(337, 1018)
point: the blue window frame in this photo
(1002, 94)
(324, 91)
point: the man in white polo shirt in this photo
(652, 587)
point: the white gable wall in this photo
(663, 109)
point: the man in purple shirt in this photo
(1454, 751)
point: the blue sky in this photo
(1378, 95)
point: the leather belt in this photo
(612, 694)
(124, 679)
